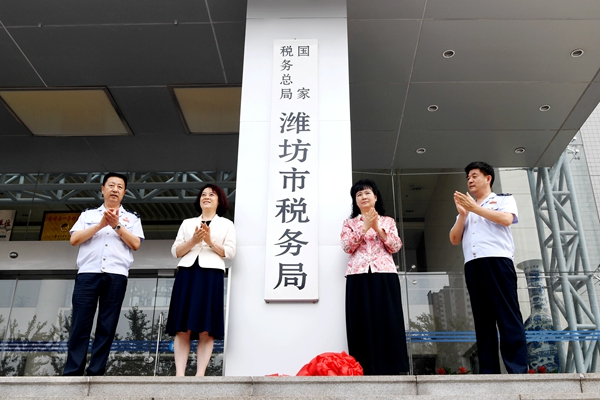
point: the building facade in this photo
(183, 94)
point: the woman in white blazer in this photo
(196, 310)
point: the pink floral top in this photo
(368, 250)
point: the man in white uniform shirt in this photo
(483, 227)
(107, 237)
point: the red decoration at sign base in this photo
(332, 364)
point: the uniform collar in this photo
(103, 208)
(487, 199)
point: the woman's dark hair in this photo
(223, 205)
(362, 185)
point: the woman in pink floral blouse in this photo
(374, 318)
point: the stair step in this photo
(453, 387)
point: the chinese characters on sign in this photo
(7, 218)
(56, 225)
(291, 272)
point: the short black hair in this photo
(485, 168)
(223, 205)
(362, 185)
(114, 174)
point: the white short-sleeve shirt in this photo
(484, 238)
(106, 251)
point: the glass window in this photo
(40, 322)
(7, 288)
(39, 325)
(440, 327)
(439, 318)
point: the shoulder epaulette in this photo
(504, 194)
(133, 212)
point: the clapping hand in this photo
(464, 203)
(111, 217)
(198, 235)
(371, 220)
(206, 229)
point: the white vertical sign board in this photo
(291, 267)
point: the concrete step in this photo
(464, 387)
(580, 396)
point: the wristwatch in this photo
(116, 228)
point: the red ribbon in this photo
(332, 364)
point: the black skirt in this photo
(197, 302)
(375, 323)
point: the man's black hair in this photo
(485, 168)
(114, 174)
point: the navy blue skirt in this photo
(197, 302)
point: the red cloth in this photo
(332, 364)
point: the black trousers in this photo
(106, 291)
(492, 286)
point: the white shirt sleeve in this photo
(509, 204)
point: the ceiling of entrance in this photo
(510, 58)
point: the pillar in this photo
(281, 336)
